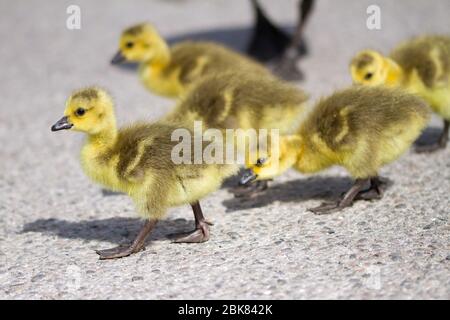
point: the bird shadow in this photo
(236, 38)
(114, 230)
(312, 188)
(429, 136)
(110, 193)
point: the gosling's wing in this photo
(347, 117)
(260, 93)
(429, 56)
(143, 149)
(208, 101)
(195, 60)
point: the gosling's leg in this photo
(375, 191)
(201, 232)
(345, 201)
(287, 67)
(126, 250)
(443, 140)
(251, 190)
(440, 144)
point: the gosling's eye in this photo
(129, 45)
(368, 76)
(260, 162)
(80, 112)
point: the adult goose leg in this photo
(287, 66)
(268, 41)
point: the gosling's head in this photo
(280, 158)
(140, 43)
(368, 68)
(87, 110)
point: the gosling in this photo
(231, 100)
(137, 160)
(360, 129)
(170, 71)
(420, 65)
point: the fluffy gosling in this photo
(360, 129)
(420, 65)
(170, 71)
(137, 160)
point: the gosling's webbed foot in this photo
(327, 207)
(369, 194)
(124, 250)
(200, 234)
(251, 190)
(347, 199)
(120, 251)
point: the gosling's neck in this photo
(394, 73)
(161, 59)
(290, 149)
(307, 157)
(96, 158)
(103, 140)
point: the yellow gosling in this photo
(360, 129)
(237, 101)
(232, 100)
(137, 160)
(170, 71)
(420, 65)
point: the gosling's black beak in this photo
(62, 124)
(118, 58)
(247, 177)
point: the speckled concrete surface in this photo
(52, 218)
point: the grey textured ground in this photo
(52, 217)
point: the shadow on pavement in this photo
(429, 136)
(114, 230)
(312, 188)
(109, 193)
(315, 187)
(235, 38)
